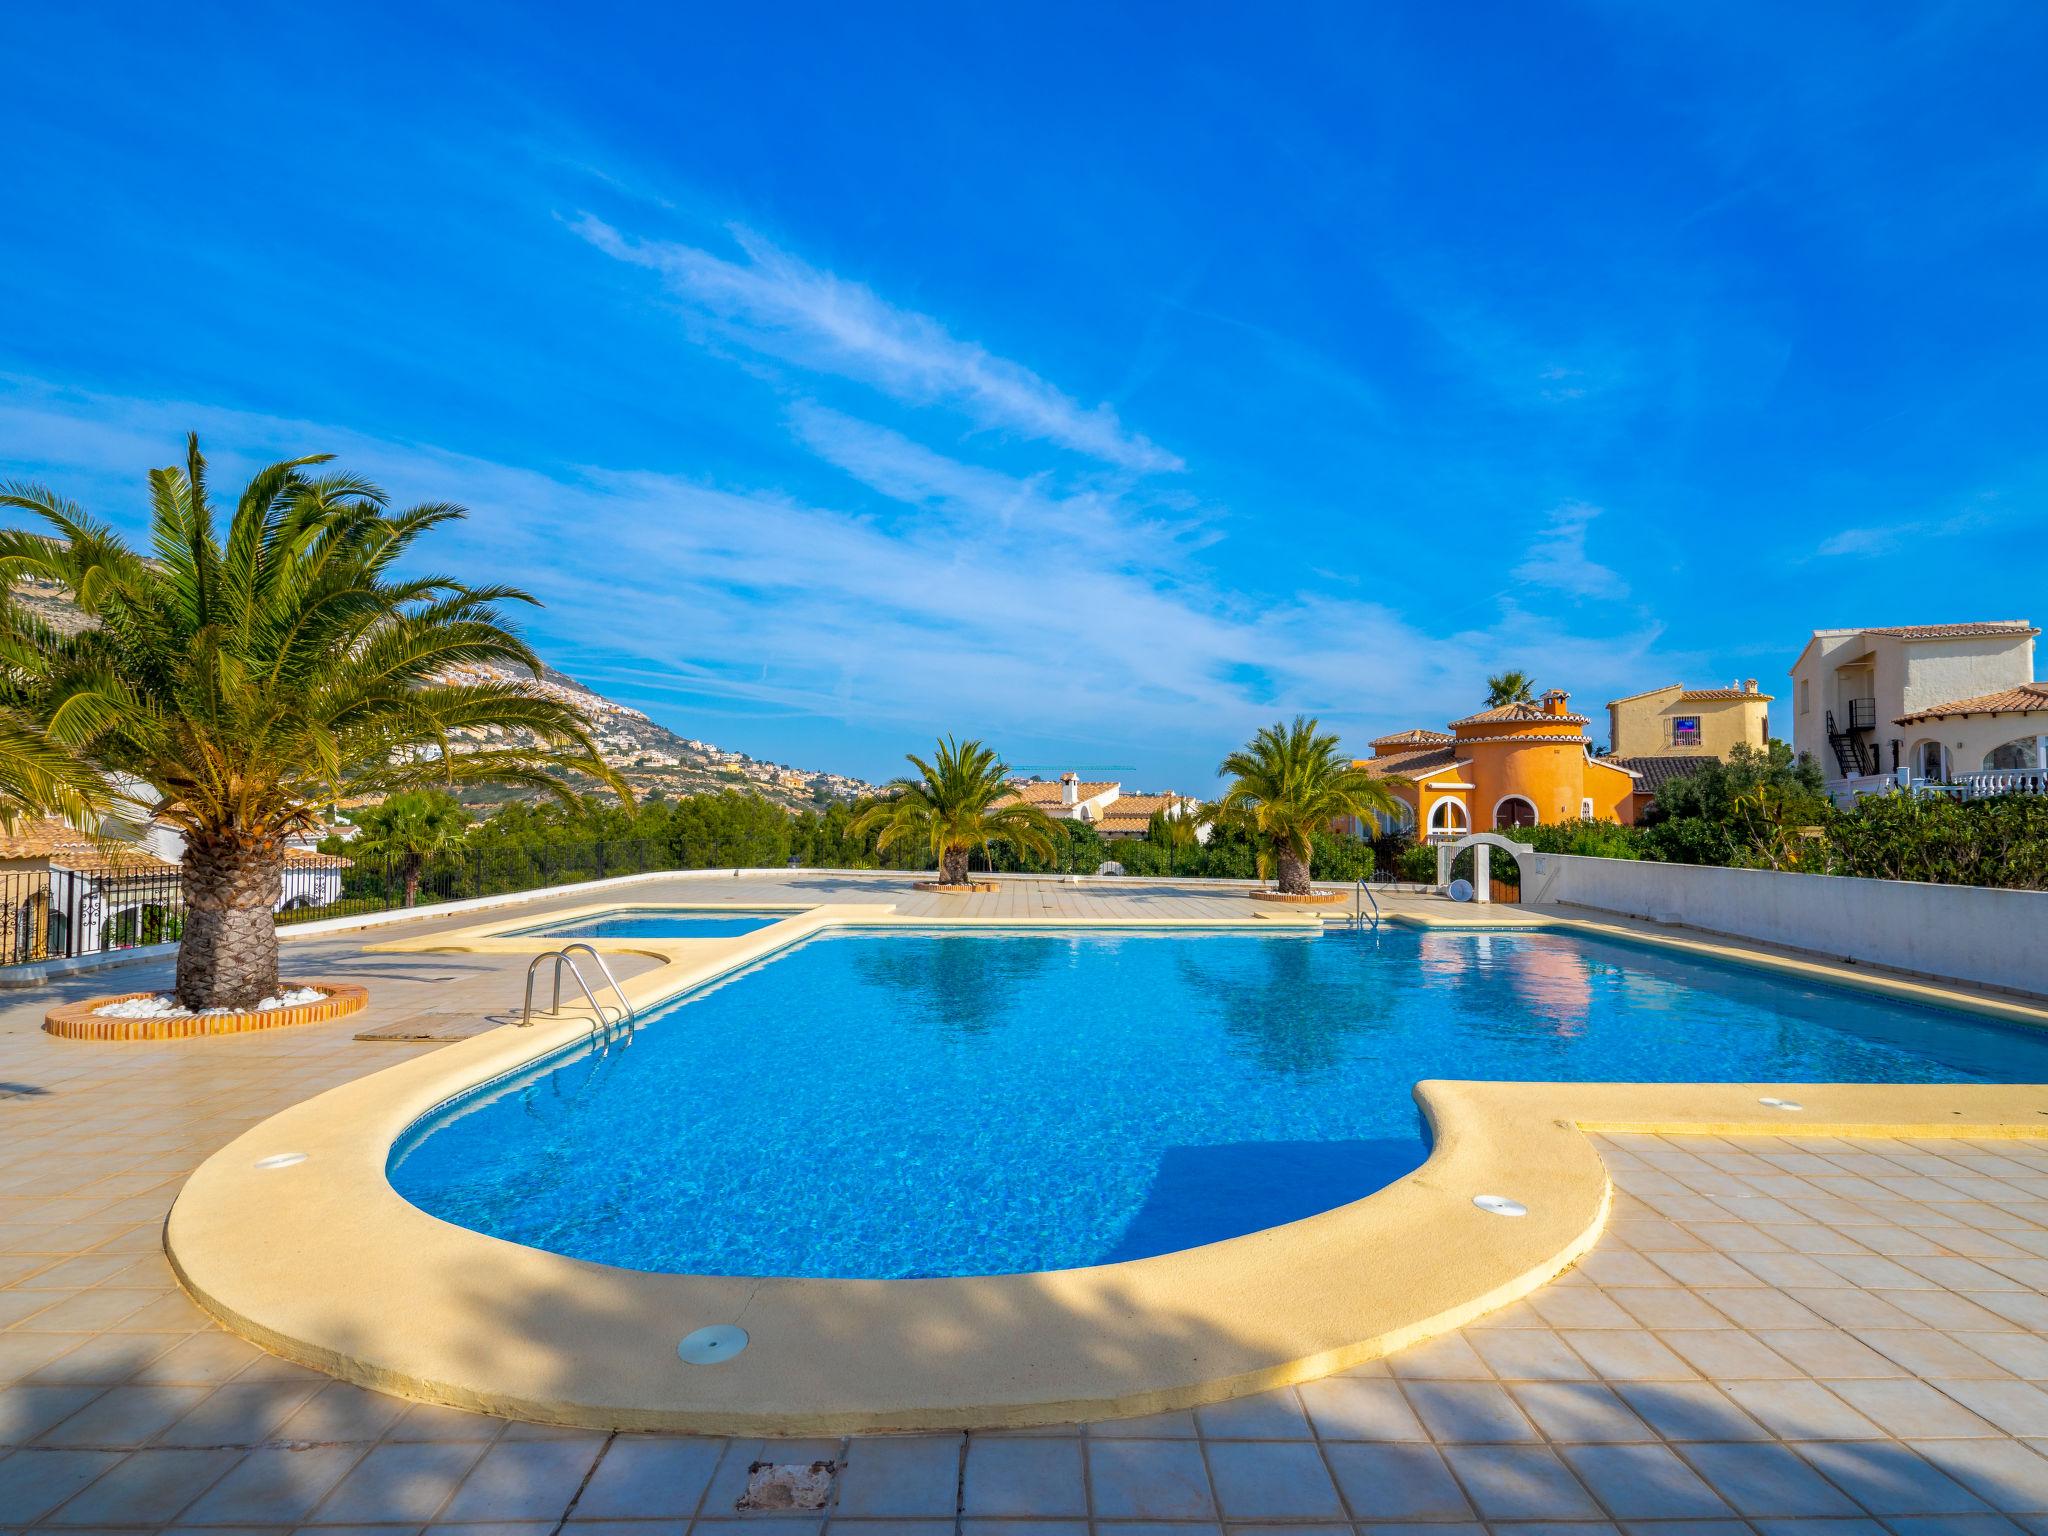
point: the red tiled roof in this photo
(1957, 631)
(1726, 693)
(1654, 773)
(1042, 794)
(1414, 736)
(51, 841)
(2024, 699)
(1517, 711)
(1415, 765)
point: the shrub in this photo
(2001, 841)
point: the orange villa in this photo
(1514, 766)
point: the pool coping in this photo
(322, 1262)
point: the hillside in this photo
(650, 757)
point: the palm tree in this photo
(950, 808)
(1290, 782)
(1510, 687)
(241, 680)
(410, 828)
(1171, 832)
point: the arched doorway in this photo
(1514, 811)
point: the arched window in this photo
(1586, 809)
(1514, 811)
(1929, 762)
(2012, 757)
(1448, 816)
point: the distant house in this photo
(65, 893)
(1665, 733)
(1952, 708)
(1515, 766)
(62, 893)
(1102, 804)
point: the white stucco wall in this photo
(1964, 933)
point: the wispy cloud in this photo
(994, 609)
(780, 305)
(1887, 538)
(1558, 558)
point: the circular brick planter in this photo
(77, 1021)
(971, 888)
(1313, 899)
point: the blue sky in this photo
(1105, 381)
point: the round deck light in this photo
(1500, 1205)
(712, 1346)
(281, 1160)
(1781, 1103)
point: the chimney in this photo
(1070, 788)
(1554, 701)
(1749, 685)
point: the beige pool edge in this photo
(321, 1262)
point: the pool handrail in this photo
(625, 1008)
(601, 1023)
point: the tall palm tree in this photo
(950, 807)
(242, 678)
(1510, 687)
(1290, 782)
(410, 828)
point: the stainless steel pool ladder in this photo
(1359, 917)
(603, 1021)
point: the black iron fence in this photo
(58, 913)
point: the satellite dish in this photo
(1460, 890)
(1111, 868)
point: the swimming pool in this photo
(926, 1103)
(658, 923)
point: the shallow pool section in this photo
(660, 923)
(888, 1104)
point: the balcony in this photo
(1862, 714)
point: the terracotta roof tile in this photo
(2007, 701)
(51, 841)
(1726, 693)
(1042, 794)
(1956, 631)
(1655, 772)
(1520, 711)
(1414, 765)
(1414, 736)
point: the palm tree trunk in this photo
(227, 957)
(1293, 875)
(412, 882)
(953, 867)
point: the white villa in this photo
(1102, 804)
(1953, 708)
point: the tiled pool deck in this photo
(1774, 1335)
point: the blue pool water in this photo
(897, 1104)
(653, 923)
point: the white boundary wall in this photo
(1966, 933)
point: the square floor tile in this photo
(1272, 1480)
(648, 1479)
(1028, 1477)
(1396, 1482)
(918, 1475)
(1512, 1482)
(523, 1481)
(1643, 1482)
(1147, 1480)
